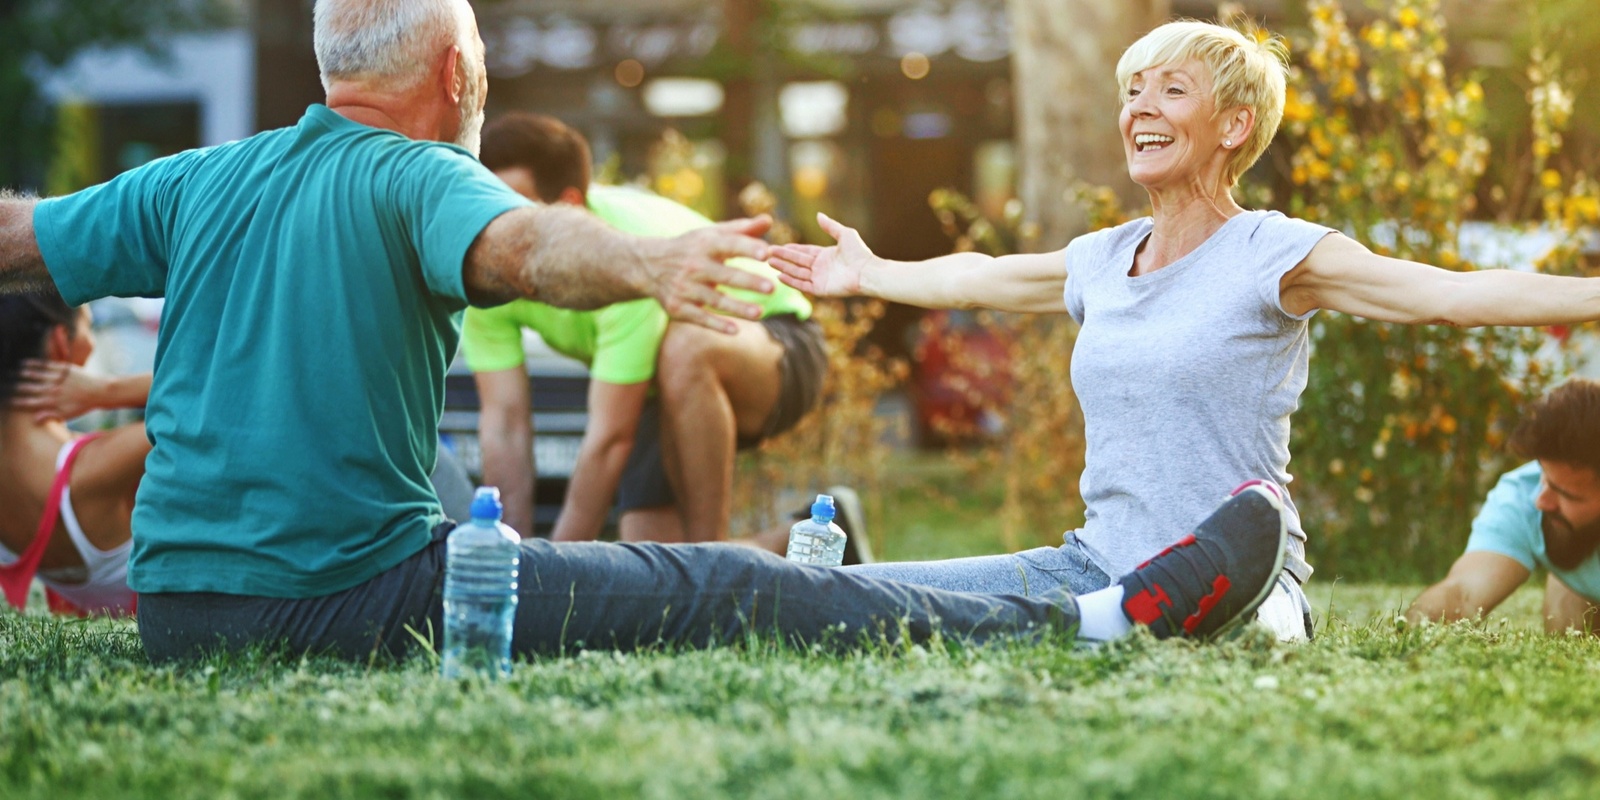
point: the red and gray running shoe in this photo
(1212, 580)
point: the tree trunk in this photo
(751, 132)
(1064, 59)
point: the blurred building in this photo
(118, 108)
(860, 108)
(856, 107)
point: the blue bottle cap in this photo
(486, 504)
(823, 507)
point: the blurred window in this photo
(994, 171)
(683, 97)
(812, 109)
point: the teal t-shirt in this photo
(313, 288)
(1509, 524)
(619, 343)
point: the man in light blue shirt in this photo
(1545, 513)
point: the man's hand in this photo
(60, 390)
(683, 273)
(825, 271)
(567, 258)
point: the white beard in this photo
(470, 136)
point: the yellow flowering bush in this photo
(1040, 455)
(1401, 429)
(843, 440)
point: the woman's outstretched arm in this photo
(1030, 283)
(1341, 274)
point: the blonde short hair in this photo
(1246, 70)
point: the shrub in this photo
(843, 440)
(1401, 428)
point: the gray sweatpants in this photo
(575, 595)
(1068, 567)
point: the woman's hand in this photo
(825, 271)
(61, 390)
(1030, 283)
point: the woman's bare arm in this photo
(1341, 274)
(1028, 282)
(62, 390)
(112, 465)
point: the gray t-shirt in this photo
(1186, 376)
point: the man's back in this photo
(313, 283)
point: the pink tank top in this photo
(16, 577)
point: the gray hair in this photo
(387, 41)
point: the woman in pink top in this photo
(65, 501)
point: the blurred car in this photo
(560, 390)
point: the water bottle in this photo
(480, 591)
(817, 540)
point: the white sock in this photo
(1100, 615)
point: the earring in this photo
(1227, 142)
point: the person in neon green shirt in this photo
(667, 405)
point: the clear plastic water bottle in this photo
(817, 540)
(480, 591)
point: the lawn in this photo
(1372, 708)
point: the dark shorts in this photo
(800, 372)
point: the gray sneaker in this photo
(1212, 580)
(851, 518)
(1285, 612)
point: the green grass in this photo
(933, 508)
(1371, 709)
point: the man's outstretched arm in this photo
(1478, 581)
(21, 264)
(567, 258)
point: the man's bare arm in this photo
(505, 439)
(567, 258)
(21, 263)
(1478, 581)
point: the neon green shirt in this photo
(619, 342)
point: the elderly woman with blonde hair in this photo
(1193, 349)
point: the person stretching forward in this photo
(668, 401)
(1545, 513)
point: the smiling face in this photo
(1170, 131)
(1200, 84)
